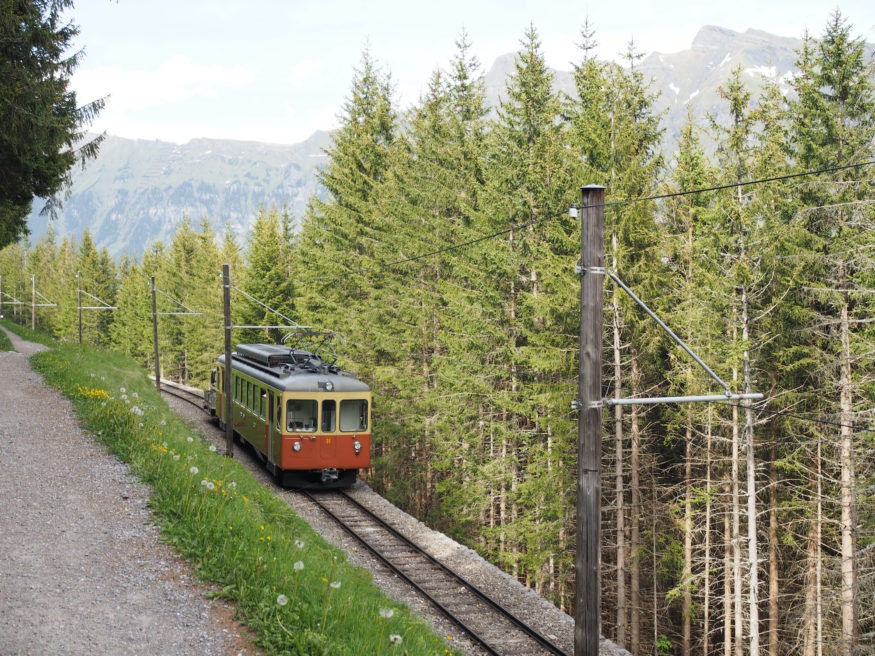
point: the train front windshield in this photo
(303, 415)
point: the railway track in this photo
(195, 398)
(486, 622)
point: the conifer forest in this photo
(442, 253)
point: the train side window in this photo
(328, 414)
(353, 415)
(301, 415)
(262, 403)
(278, 412)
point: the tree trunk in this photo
(752, 546)
(846, 495)
(618, 482)
(706, 602)
(736, 535)
(774, 590)
(687, 598)
(635, 529)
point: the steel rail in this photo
(479, 594)
(184, 395)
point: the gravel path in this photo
(82, 570)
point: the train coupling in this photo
(329, 475)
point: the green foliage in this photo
(43, 127)
(443, 255)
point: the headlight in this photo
(357, 446)
(296, 446)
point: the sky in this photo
(278, 70)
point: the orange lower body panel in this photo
(325, 451)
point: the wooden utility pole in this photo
(587, 559)
(155, 337)
(226, 378)
(33, 302)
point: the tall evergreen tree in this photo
(43, 126)
(528, 191)
(834, 125)
(268, 278)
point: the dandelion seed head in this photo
(299, 544)
(396, 639)
(282, 600)
(193, 470)
(212, 447)
(190, 439)
(386, 613)
(298, 565)
(335, 585)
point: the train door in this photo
(270, 432)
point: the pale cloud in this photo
(304, 72)
(177, 79)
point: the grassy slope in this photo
(297, 592)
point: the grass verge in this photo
(297, 592)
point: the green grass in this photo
(5, 343)
(297, 593)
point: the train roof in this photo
(292, 369)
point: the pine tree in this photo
(268, 278)
(44, 130)
(833, 125)
(528, 191)
(335, 249)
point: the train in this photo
(305, 417)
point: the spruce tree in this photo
(527, 194)
(833, 125)
(268, 278)
(44, 129)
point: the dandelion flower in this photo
(386, 613)
(299, 544)
(193, 470)
(335, 585)
(395, 639)
(298, 565)
(282, 600)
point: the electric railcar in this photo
(308, 420)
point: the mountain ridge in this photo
(137, 191)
